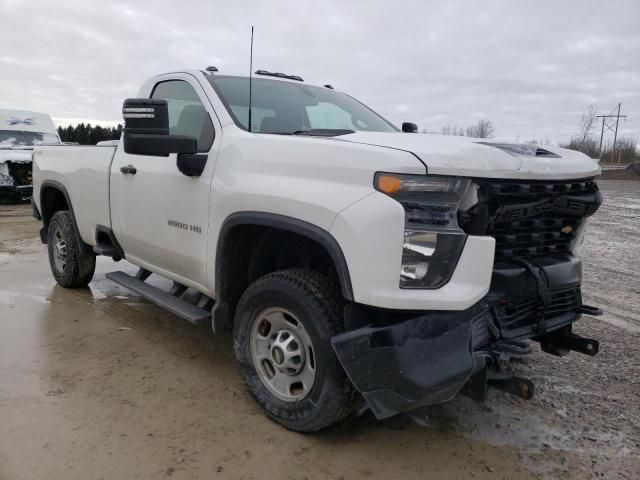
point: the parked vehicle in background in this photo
(354, 262)
(20, 131)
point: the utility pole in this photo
(610, 127)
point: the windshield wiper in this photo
(323, 132)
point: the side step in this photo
(168, 300)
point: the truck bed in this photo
(83, 171)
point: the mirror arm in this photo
(191, 165)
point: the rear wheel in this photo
(282, 331)
(71, 265)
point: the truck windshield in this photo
(295, 108)
(14, 138)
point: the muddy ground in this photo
(99, 384)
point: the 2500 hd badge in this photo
(184, 226)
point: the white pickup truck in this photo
(355, 263)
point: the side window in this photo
(187, 115)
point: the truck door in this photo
(160, 216)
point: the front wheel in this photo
(282, 332)
(71, 265)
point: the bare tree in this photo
(583, 141)
(587, 122)
(482, 129)
(452, 130)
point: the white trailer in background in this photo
(20, 131)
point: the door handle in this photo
(128, 169)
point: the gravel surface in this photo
(620, 174)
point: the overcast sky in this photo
(531, 67)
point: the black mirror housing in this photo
(146, 115)
(146, 129)
(409, 127)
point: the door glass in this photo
(187, 115)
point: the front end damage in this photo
(15, 174)
(401, 361)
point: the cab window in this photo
(187, 115)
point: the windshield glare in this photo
(13, 138)
(286, 107)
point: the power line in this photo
(610, 127)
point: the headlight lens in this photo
(433, 240)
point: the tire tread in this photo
(80, 264)
(326, 299)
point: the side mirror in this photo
(408, 127)
(146, 129)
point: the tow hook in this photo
(563, 341)
(516, 386)
(492, 376)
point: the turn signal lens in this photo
(388, 184)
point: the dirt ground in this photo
(619, 174)
(99, 384)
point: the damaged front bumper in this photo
(403, 361)
(9, 186)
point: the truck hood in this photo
(18, 155)
(481, 157)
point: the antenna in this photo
(250, 77)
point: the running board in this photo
(168, 300)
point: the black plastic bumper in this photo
(417, 362)
(22, 191)
(412, 360)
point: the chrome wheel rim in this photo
(282, 354)
(59, 250)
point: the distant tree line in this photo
(89, 134)
(482, 129)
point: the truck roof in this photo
(264, 74)
(26, 121)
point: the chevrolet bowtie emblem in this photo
(567, 229)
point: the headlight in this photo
(6, 180)
(433, 240)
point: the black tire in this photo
(317, 304)
(80, 262)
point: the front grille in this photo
(530, 219)
(514, 315)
